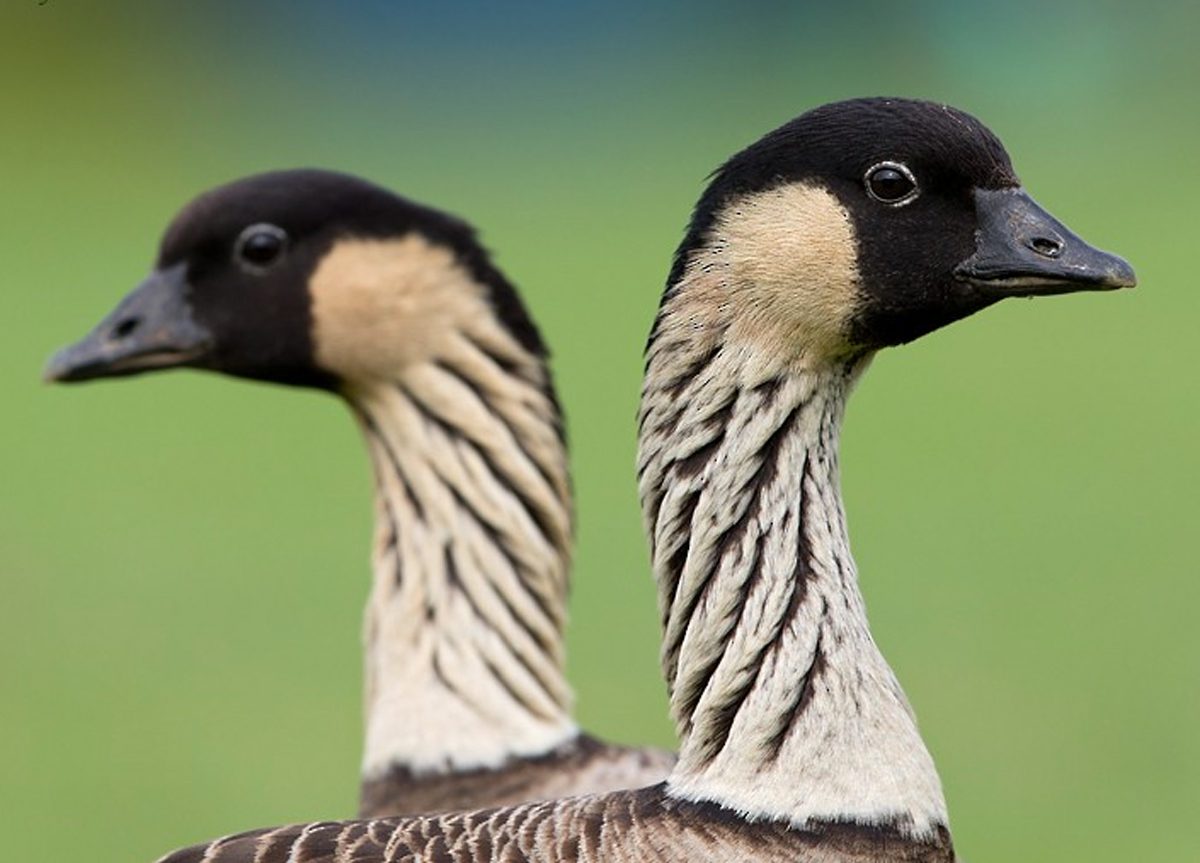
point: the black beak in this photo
(152, 328)
(1022, 251)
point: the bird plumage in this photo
(796, 741)
(647, 824)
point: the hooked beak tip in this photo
(1120, 275)
(58, 368)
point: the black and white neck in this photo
(473, 535)
(785, 708)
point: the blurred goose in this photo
(323, 280)
(857, 226)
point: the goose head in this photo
(869, 223)
(304, 277)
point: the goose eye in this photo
(891, 183)
(260, 246)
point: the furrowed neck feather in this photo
(464, 650)
(785, 707)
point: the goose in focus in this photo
(857, 226)
(323, 280)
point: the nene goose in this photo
(857, 226)
(323, 280)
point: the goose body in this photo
(322, 280)
(857, 226)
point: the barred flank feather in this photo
(643, 825)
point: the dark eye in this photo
(891, 183)
(260, 246)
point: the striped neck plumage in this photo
(464, 650)
(785, 708)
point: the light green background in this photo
(183, 558)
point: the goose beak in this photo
(1023, 251)
(152, 328)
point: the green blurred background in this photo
(184, 558)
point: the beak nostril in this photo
(1049, 247)
(125, 327)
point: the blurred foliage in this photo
(183, 558)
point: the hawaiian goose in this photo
(857, 226)
(323, 280)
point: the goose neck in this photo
(784, 705)
(463, 630)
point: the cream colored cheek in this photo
(379, 306)
(792, 260)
